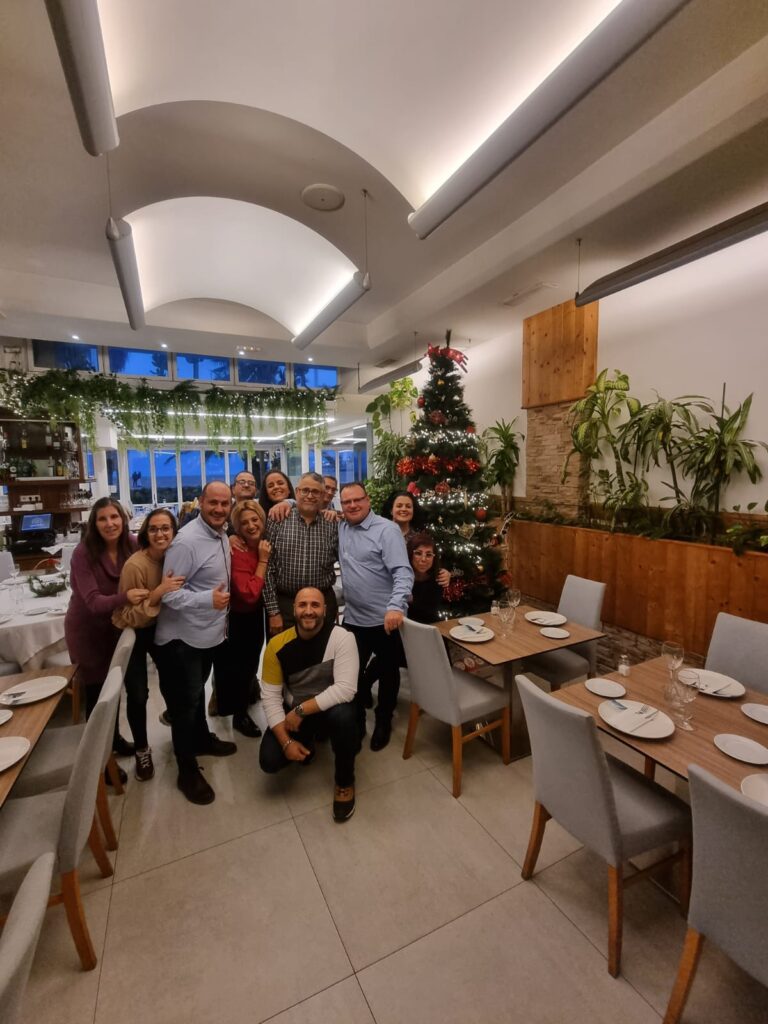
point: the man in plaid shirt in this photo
(305, 548)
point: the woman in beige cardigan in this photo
(145, 570)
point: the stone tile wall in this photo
(547, 442)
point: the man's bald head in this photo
(309, 612)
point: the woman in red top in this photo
(246, 616)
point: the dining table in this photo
(28, 720)
(712, 716)
(31, 633)
(507, 650)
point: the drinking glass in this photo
(506, 614)
(684, 689)
(494, 608)
(514, 597)
(673, 654)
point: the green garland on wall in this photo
(137, 410)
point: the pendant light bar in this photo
(386, 378)
(120, 238)
(339, 304)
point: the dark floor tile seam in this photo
(204, 849)
(365, 792)
(312, 995)
(101, 958)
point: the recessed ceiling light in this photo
(241, 351)
(163, 345)
(310, 359)
(75, 337)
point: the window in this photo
(65, 355)
(139, 477)
(191, 474)
(165, 476)
(138, 362)
(347, 473)
(294, 463)
(193, 367)
(315, 376)
(311, 460)
(113, 475)
(238, 461)
(214, 466)
(329, 462)
(259, 371)
(362, 462)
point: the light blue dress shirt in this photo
(201, 555)
(375, 572)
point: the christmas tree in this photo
(444, 472)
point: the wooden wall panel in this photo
(559, 354)
(656, 588)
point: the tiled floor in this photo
(260, 908)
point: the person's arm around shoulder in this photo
(133, 579)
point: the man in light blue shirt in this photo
(377, 579)
(190, 630)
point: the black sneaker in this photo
(194, 787)
(246, 725)
(380, 736)
(123, 748)
(217, 748)
(343, 803)
(145, 769)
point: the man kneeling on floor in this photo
(316, 661)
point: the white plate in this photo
(36, 611)
(711, 681)
(757, 712)
(546, 618)
(742, 748)
(555, 634)
(624, 720)
(756, 787)
(477, 623)
(4, 619)
(605, 687)
(34, 689)
(468, 636)
(5, 715)
(12, 749)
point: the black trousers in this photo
(137, 684)
(186, 670)
(237, 660)
(388, 649)
(340, 723)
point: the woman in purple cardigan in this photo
(95, 574)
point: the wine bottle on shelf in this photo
(59, 468)
(24, 438)
(51, 467)
(48, 436)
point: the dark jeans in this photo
(388, 649)
(237, 661)
(285, 601)
(340, 723)
(137, 686)
(186, 670)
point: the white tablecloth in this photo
(29, 639)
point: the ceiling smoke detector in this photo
(519, 296)
(324, 198)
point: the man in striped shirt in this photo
(305, 548)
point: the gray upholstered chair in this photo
(729, 895)
(6, 565)
(20, 934)
(449, 695)
(612, 809)
(51, 762)
(581, 601)
(739, 648)
(9, 668)
(62, 822)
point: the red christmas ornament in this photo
(471, 429)
(420, 401)
(413, 489)
(481, 514)
(437, 418)
(442, 488)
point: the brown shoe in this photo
(343, 803)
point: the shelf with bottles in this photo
(34, 450)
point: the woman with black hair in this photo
(144, 571)
(275, 488)
(403, 509)
(427, 591)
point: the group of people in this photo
(204, 596)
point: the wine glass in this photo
(514, 597)
(506, 612)
(673, 654)
(687, 688)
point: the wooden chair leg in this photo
(73, 905)
(114, 775)
(649, 768)
(686, 872)
(540, 818)
(410, 736)
(615, 918)
(456, 739)
(506, 739)
(686, 971)
(105, 818)
(98, 851)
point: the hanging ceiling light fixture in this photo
(626, 28)
(728, 232)
(120, 238)
(77, 32)
(386, 378)
(341, 302)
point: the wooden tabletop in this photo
(711, 715)
(28, 720)
(523, 640)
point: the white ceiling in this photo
(238, 105)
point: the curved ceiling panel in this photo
(206, 247)
(413, 88)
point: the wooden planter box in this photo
(663, 589)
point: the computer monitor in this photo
(36, 523)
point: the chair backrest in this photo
(6, 565)
(729, 895)
(739, 648)
(123, 651)
(20, 935)
(81, 790)
(429, 672)
(570, 772)
(581, 601)
(110, 695)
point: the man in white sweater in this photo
(314, 666)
